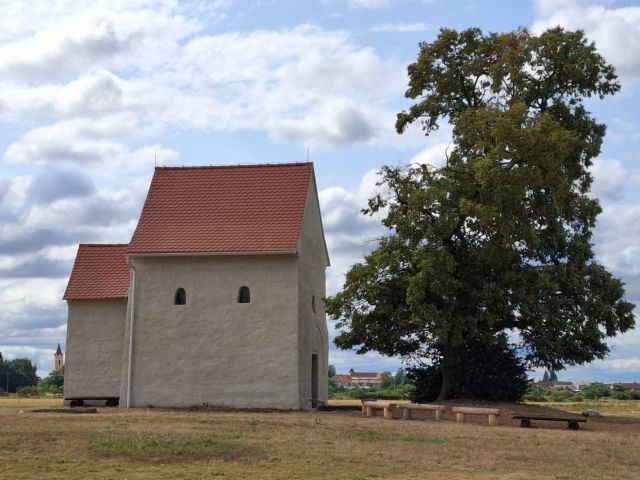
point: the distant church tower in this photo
(58, 359)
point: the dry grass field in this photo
(208, 444)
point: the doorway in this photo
(314, 380)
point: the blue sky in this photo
(92, 94)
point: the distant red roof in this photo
(365, 375)
(631, 385)
(223, 209)
(99, 272)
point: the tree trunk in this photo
(450, 367)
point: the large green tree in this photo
(19, 372)
(498, 239)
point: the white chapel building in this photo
(215, 301)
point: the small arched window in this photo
(181, 297)
(244, 296)
(313, 303)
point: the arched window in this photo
(244, 296)
(181, 297)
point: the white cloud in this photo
(292, 81)
(96, 92)
(616, 31)
(303, 84)
(100, 36)
(334, 123)
(86, 140)
(349, 234)
(611, 179)
(434, 155)
(403, 27)
(617, 232)
(369, 3)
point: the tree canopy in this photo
(17, 373)
(497, 239)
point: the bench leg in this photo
(438, 415)
(406, 414)
(364, 409)
(525, 423)
(574, 426)
(492, 419)
(371, 412)
(460, 417)
(388, 413)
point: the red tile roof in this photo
(99, 272)
(631, 385)
(373, 375)
(223, 209)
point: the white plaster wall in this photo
(313, 337)
(214, 350)
(95, 329)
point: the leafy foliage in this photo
(17, 373)
(54, 382)
(498, 239)
(596, 391)
(399, 393)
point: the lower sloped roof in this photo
(99, 272)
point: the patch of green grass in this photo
(222, 447)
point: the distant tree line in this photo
(20, 376)
(594, 391)
(16, 374)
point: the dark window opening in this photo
(244, 296)
(181, 297)
(313, 303)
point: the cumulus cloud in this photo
(616, 238)
(434, 155)
(403, 27)
(87, 141)
(54, 185)
(95, 92)
(99, 37)
(35, 266)
(334, 123)
(302, 84)
(611, 179)
(349, 234)
(289, 80)
(616, 31)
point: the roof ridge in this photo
(103, 244)
(239, 165)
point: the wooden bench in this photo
(572, 423)
(372, 407)
(460, 412)
(365, 400)
(407, 408)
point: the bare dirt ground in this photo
(208, 444)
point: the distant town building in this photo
(630, 385)
(58, 359)
(341, 380)
(359, 379)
